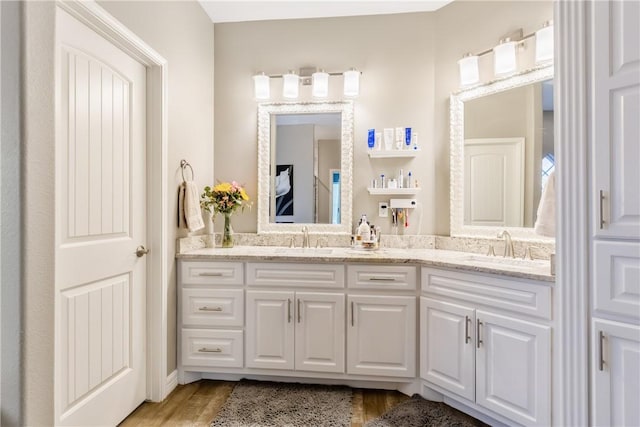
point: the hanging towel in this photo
(182, 221)
(191, 206)
(546, 218)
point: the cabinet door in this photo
(616, 108)
(616, 278)
(615, 374)
(381, 336)
(513, 368)
(319, 332)
(270, 330)
(447, 346)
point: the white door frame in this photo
(96, 18)
(571, 305)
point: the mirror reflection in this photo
(305, 164)
(305, 168)
(508, 155)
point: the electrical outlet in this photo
(383, 209)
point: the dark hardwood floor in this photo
(196, 405)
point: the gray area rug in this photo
(418, 412)
(267, 404)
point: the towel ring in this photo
(183, 165)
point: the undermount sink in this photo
(308, 251)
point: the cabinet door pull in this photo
(382, 279)
(205, 308)
(210, 350)
(601, 209)
(352, 316)
(467, 337)
(478, 326)
(299, 312)
(210, 274)
(601, 350)
(288, 310)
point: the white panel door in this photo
(320, 334)
(270, 330)
(616, 108)
(494, 181)
(381, 335)
(100, 373)
(615, 374)
(513, 368)
(447, 346)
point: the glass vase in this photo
(227, 233)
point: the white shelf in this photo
(385, 154)
(393, 191)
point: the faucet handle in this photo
(292, 242)
(491, 251)
(321, 241)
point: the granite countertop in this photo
(523, 269)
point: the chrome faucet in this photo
(508, 244)
(305, 237)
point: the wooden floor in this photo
(197, 404)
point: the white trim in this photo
(94, 16)
(570, 343)
(170, 383)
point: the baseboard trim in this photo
(170, 383)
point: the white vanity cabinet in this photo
(381, 335)
(295, 330)
(476, 344)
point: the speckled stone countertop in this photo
(523, 269)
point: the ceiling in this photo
(242, 10)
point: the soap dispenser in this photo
(363, 229)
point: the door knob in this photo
(141, 251)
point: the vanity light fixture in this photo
(320, 84)
(469, 73)
(319, 79)
(504, 54)
(290, 85)
(544, 42)
(261, 86)
(504, 57)
(351, 82)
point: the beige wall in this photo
(182, 33)
(395, 54)
(409, 65)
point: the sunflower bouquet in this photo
(225, 198)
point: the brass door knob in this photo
(141, 251)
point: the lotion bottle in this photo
(363, 229)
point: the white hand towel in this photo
(192, 212)
(546, 219)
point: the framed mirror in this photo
(502, 141)
(305, 158)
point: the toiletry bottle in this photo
(401, 179)
(399, 136)
(414, 141)
(363, 229)
(407, 137)
(409, 180)
(383, 183)
(371, 138)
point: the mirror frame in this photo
(265, 112)
(456, 129)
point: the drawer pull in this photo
(299, 312)
(288, 310)
(205, 308)
(210, 350)
(382, 279)
(601, 209)
(478, 340)
(352, 316)
(211, 274)
(467, 337)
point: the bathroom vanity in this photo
(471, 330)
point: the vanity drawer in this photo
(517, 295)
(211, 273)
(211, 347)
(297, 275)
(372, 276)
(212, 307)
(616, 268)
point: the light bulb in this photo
(504, 57)
(351, 82)
(290, 86)
(469, 73)
(320, 82)
(544, 42)
(261, 86)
